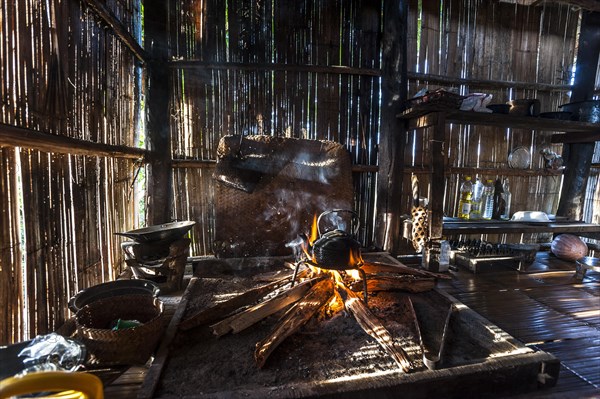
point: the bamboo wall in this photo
(308, 69)
(63, 73)
(247, 67)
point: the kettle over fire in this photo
(335, 249)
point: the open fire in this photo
(329, 267)
(334, 251)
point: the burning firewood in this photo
(372, 326)
(248, 317)
(376, 267)
(408, 283)
(294, 318)
(219, 310)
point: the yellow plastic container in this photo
(67, 385)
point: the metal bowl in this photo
(161, 232)
(584, 111)
(589, 262)
(111, 289)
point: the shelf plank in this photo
(423, 117)
(582, 137)
(590, 230)
(15, 136)
(465, 170)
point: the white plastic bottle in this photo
(487, 200)
(506, 196)
(476, 200)
(444, 255)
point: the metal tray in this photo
(160, 232)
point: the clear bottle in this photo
(487, 200)
(476, 200)
(506, 197)
(444, 255)
(466, 196)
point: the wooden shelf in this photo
(454, 227)
(424, 117)
(487, 171)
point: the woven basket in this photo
(131, 346)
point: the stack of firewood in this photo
(318, 289)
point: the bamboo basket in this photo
(131, 346)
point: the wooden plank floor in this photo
(544, 307)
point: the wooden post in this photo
(158, 112)
(578, 156)
(436, 191)
(393, 130)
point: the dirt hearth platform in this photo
(334, 357)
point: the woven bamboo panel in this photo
(275, 198)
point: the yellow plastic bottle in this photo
(466, 196)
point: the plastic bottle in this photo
(444, 255)
(487, 200)
(466, 196)
(506, 196)
(476, 200)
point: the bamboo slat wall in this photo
(308, 69)
(260, 67)
(65, 74)
(492, 41)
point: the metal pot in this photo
(334, 249)
(524, 107)
(160, 232)
(111, 289)
(584, 111)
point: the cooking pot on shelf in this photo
(161, 232)
(583, 111)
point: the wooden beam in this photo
(590, 5)
(193, 163)
(576, 138)
(160, 195)
(332, 69)
(436, 188)
(152, 378)
(117, 28)
(393, 130)
(211, 163)
(502, 84)
(578, 156)
(14, 136)
(466, 170)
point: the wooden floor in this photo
(544, 307)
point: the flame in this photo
(337, 277)
(336, 304)
(355, 259)
(354, 274)
(314, 231)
